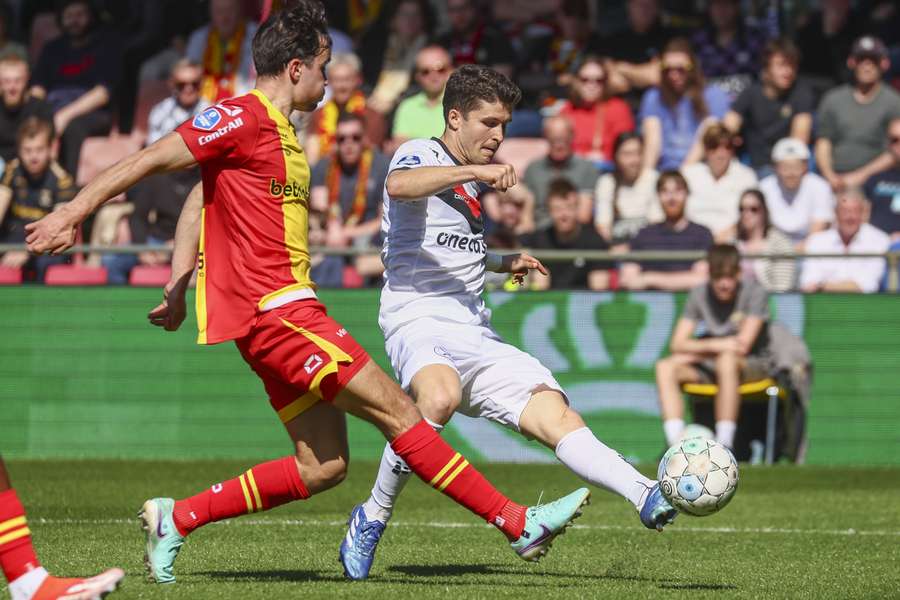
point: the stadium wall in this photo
(82, 374)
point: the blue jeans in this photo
(118, 266)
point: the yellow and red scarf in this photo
(333, 181)
(362, 13)
(221, 62)
(329, 118)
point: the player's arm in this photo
(421, 182)
(56, 232)
(172, 311)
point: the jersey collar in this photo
(447, 150)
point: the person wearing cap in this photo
(883, 190)
(852, 119)
(800, 203)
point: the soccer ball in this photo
(698, 476)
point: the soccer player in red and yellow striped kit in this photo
(254, 288)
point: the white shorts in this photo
(497, 378)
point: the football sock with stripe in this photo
(17, 558)
(265, 486)
(441, 467)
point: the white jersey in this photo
(434, 248)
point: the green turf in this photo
(789, 533)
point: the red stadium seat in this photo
(98, 153)
(519, 152)
(352, 278)
(10, 276)
(75, 275)
(150, 275)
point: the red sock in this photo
(441, 467)
(263, 487)
(17, 555)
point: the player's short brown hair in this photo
(32, 127)
(299, 30)
(724, 261)
(469, 85)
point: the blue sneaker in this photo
(163, 539)
(546, 521)
(656, 512)
(358, 548)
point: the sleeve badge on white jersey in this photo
(410, 160)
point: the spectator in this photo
(852, 120)
(8, 47)
(883, 190)
(422, 115)
(825, 41)
(799, 202)
(566, 232)
(391, 57)
(626, 198)
(184, 103)
(345, 83)
(674, 115)
(349, 185)
(18, 103)
(727, 48)
(733, 348)
(33, 185)
(777, 106)
(155, 206)
(717, 183)
(560, 162)
(674, 233)
(850, 235)
(326, 270)
(77, 74)
(509, 218)
(223, 48)
(597, 117)
(472, 41)
(757, 235)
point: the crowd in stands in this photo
(645, 125)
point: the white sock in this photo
(596, 463)
(393, 473)
(673, 429)
(725, 432)
(26, 585)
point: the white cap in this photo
(788, 149)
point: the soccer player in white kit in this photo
(437, 327)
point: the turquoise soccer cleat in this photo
(656, 512)
(163, 539)
(546, 521)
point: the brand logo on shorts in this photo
(208, 119)
(341, 332)
(312, 363)
(217, 488)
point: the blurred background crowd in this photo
(645, 125)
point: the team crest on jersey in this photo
(410, 160)
(208, 119)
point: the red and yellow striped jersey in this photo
(253, 242)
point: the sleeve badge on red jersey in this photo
(208, 119)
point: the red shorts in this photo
(302, 356)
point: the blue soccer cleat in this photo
(656, 512)
(163, 539)
(546, 521)
(358, 548)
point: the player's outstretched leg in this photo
(28, 580)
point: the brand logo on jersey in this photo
(205, 139)
(208, 119)
(409, 160)
(459, 192)
(312, 363)
(231, 112)
(469, 243)
(291, 189)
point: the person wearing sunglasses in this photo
(757, 235)
(422, 115)
(184, 103)
(883, 189)
(674, 115)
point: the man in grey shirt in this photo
(731, 347)
(852, 119)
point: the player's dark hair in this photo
(672, 175)
(299, 30)
(32, 127)
(469, 85)
(724, 261)
(560, 188)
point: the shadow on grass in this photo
(274, 575)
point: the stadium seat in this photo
(519, 152)
(98, 153)
(351, 277)
(150, 93)
(763, 389)
(10, 276)
(75, 275)
(150, 275)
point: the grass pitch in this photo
(789, 533)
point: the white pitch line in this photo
(452, 525)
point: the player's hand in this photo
(520, 264)
(55, 233)
(172, 310)
(499, 177)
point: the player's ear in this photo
(295, 69)
(454, 118)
